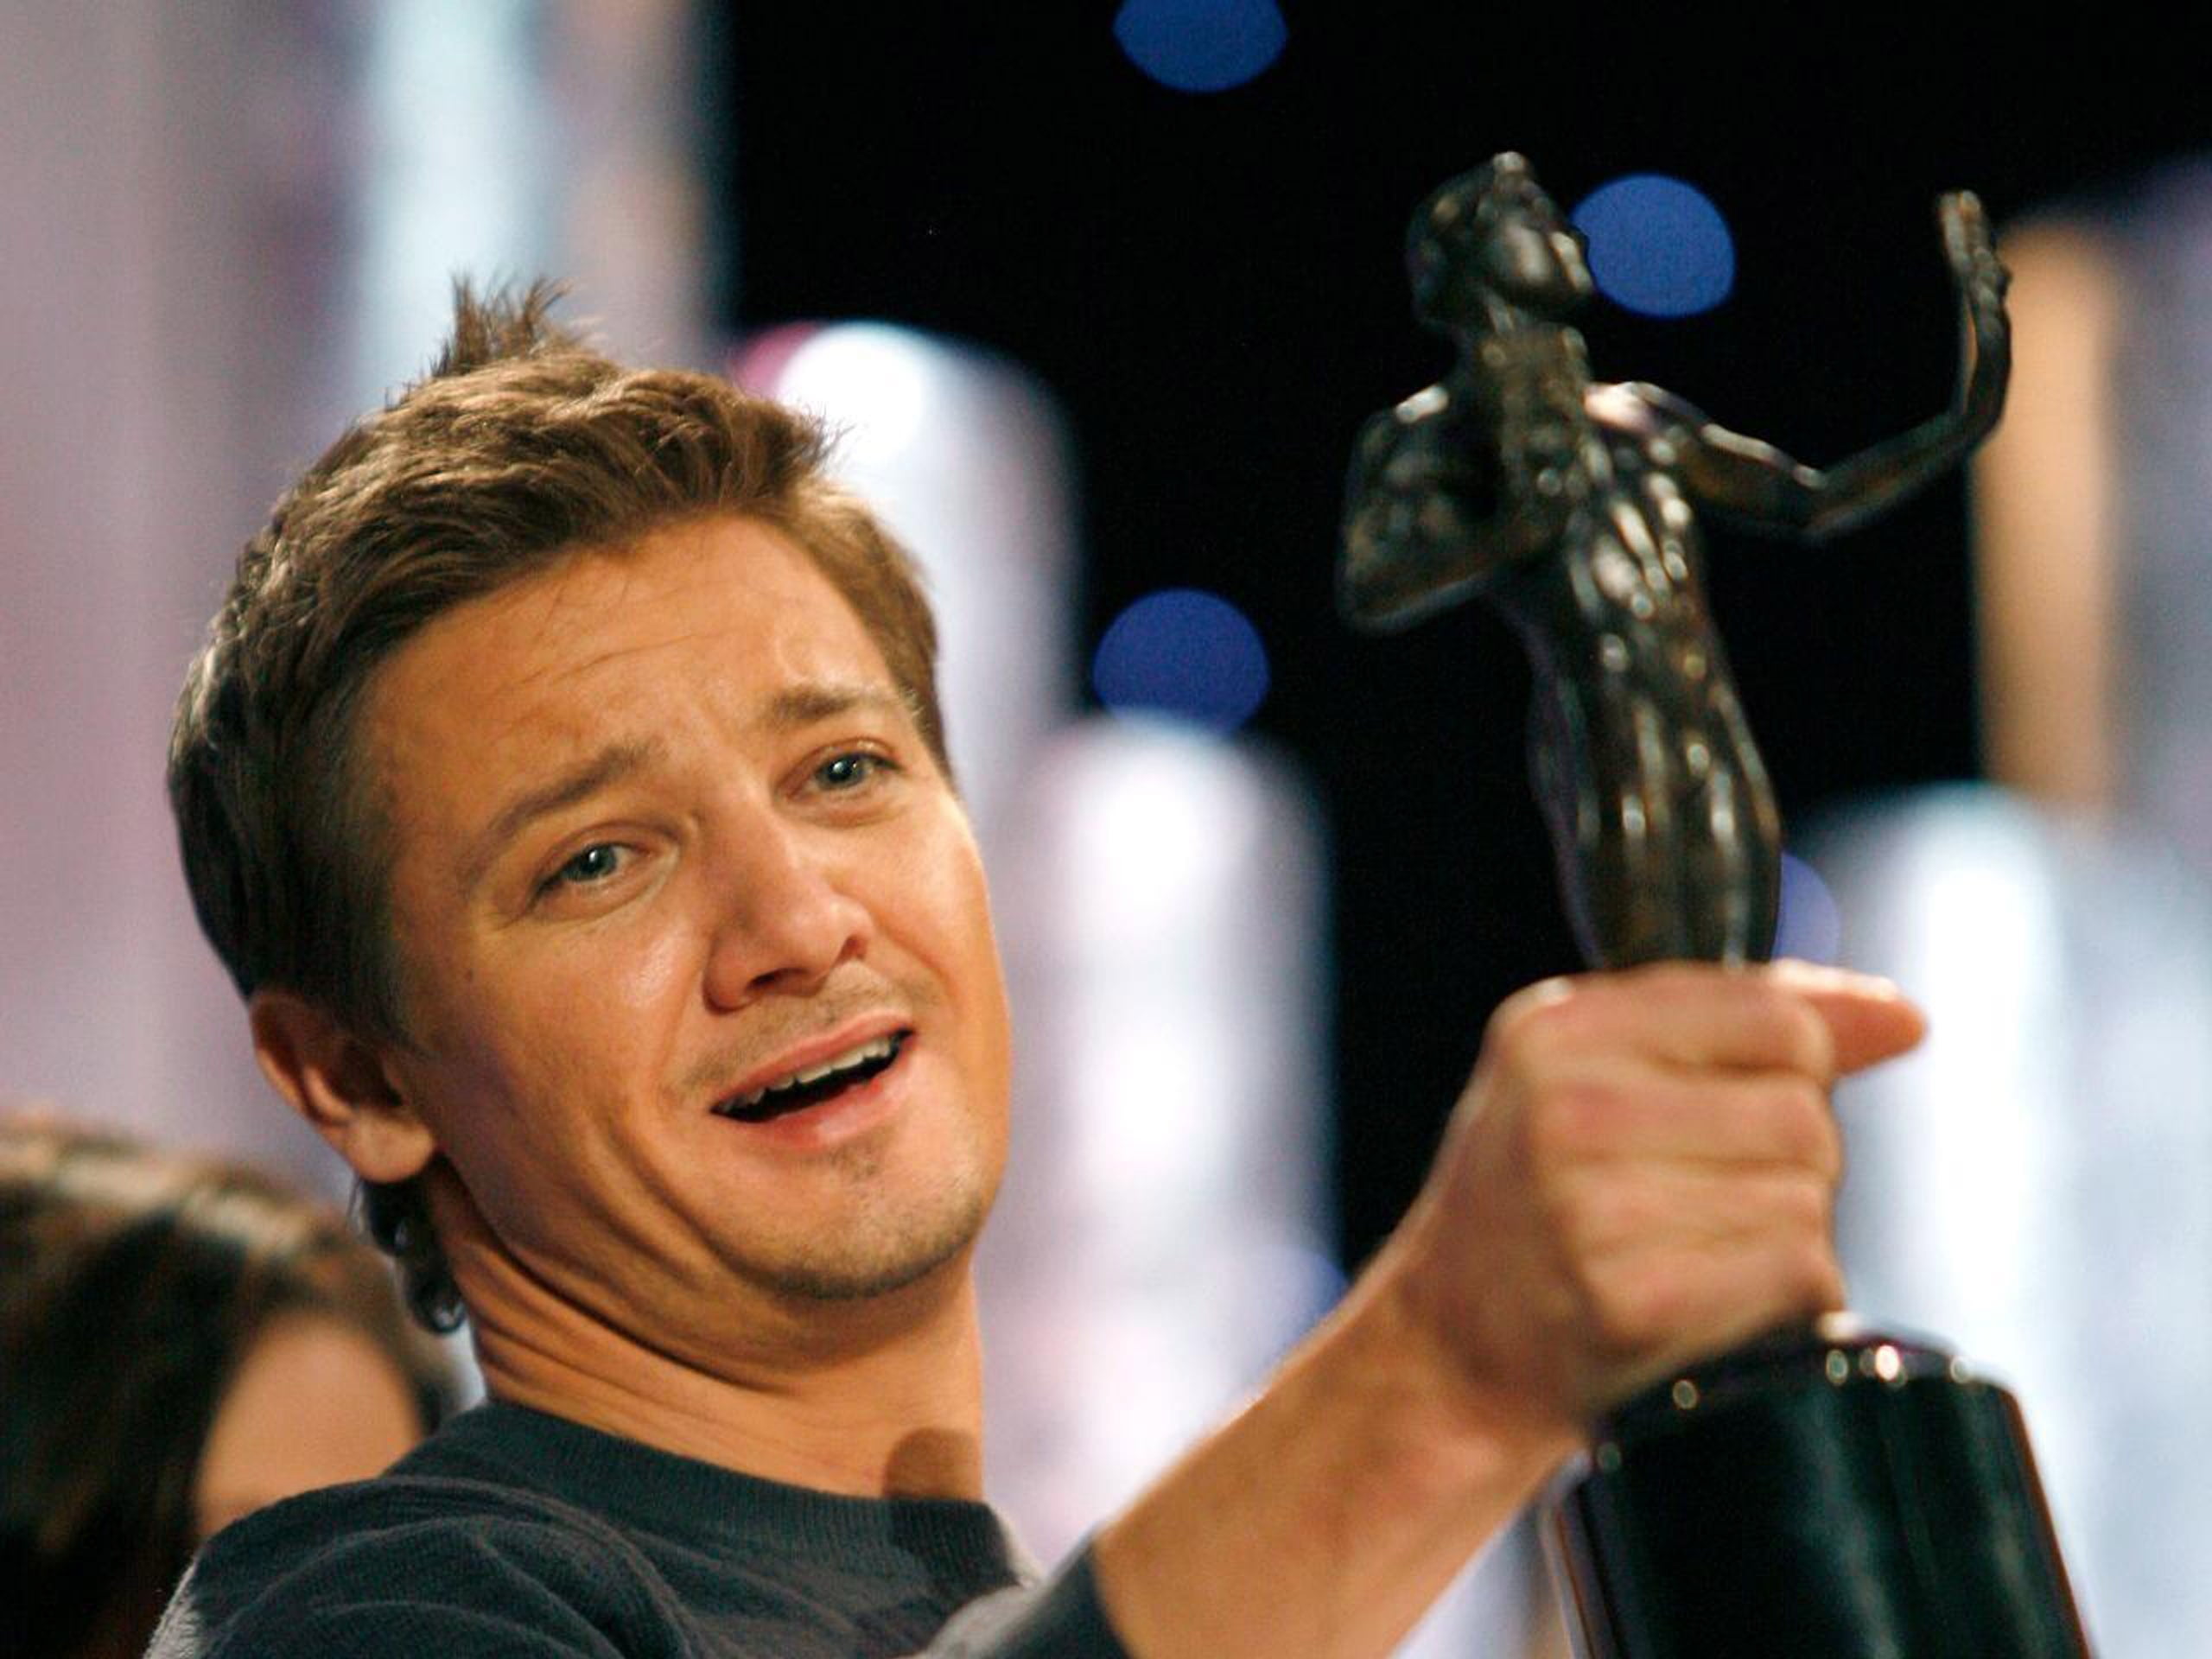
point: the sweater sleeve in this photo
(1060, 1619)
(388, 1569)
(457, 1589)
(371, 1629)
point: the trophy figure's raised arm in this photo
(1828, 1492)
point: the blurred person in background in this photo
(182, 1340)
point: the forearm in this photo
(1758, 487)
(1322, 1519)
(1640, 1172)
(1383, 595)
(1868, 485)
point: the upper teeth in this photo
(878, 1048)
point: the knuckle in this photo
(1678, 980)
(1800, 1036)
(1806, 1128)
(1587, 1274)
(1603, 1313)
(1587, 1217)
(1630, 1313)
(1805, 1209)
(1816, 1281)
(1529, 1024)
(1569, 1119)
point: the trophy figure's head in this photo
(1490, 237)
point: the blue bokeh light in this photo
(1201, 46)
(1184, 653)
(1811, 929)
(1657, 245)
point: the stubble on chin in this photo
(884, 1246)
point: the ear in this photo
(339, 1085)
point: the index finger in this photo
(1869, 1020)
(1820, 1022)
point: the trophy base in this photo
(1826, 1493)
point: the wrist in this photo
(1323, 1519)
(1441, 1421)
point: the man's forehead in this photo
(730, 583)
(661, 589)
(726, 621)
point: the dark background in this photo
(1212, 284)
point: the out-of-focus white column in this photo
(1163, 1236)
(153, 315)
(453, 176)
(1163, 1233)
(506, 140)
(964, 457)
(230, 229)
(2035, 1184)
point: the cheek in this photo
(631, 970)
(951, 889)
(567, 990)
(939, 894)
(549, 1031)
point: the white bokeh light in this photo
(2034, 1184)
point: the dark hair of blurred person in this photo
(181, 1341)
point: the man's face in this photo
(665, 836)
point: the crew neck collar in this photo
(642, 1487)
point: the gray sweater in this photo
(511, 1532)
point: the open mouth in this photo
(813, 1085)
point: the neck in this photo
(1530, 343)
(1504, 317)
(877, 1397)
(1535, 377)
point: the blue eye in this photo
(595, 863)
(848, 770)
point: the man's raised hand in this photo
(1641, 1172)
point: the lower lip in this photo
(844, 1116)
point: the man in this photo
(564, 786)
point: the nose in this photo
(784, 918)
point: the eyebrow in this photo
(803, 705)
(790, 710)
(610, 765)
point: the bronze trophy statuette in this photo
(1827, 1490)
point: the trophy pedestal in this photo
(1825, 1493)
